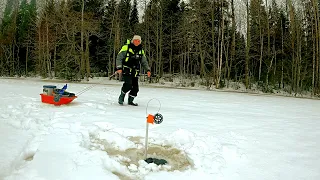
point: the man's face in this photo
(136, 42)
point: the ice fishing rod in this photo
(153, 119)
(156, 118)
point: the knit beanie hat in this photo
(136, 37)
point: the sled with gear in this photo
(53, 95)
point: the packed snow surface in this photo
(204, 135)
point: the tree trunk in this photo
(87, 57)
(202, 66)
(157, 44)
(299, 58)
(221, 50)
(39, 64)
(44, 55)
(55, 60)
(171, 50)
(317, 43)
(318, 47)
(275, 56)
(181, 64)
(13, 61)
(270, 66)
(313, 54)
(82, 64)
(27, 54)
(261, 54)
(1, 59)
(213, 40)
(261, 43)
(293, 32)
(247, 46)
(268, 30)
(282, 54)
(48, 59)
(160, 43)
(233, 43)
(116, 44)
(188, 57)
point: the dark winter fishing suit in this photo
(129, 60)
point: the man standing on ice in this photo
(128, 62)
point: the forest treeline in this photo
(76, 39)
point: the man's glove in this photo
(149, 73)
(119, 71)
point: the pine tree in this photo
(171, 14)
(22, 21)
(105, 46)
(25, 30)
(134, 18)
(258, 30)
(124, 9)
(183, 47)
(6, 36)
(8, 30)
(7, 18)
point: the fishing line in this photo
(149, 102)
(90, 87)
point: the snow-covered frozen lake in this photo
(205, 134)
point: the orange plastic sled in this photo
(50, 99)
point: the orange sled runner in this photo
(52, 95)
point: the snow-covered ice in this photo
(205, 134)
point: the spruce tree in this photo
(124, 9)
(25, 33)
(105, 46)
(7, 35)
(134, 18)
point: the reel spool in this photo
(155, 119)
(158, 118)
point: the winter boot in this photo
(121, 98)
(130, 101)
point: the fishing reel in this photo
(158, 118)
(155, 119)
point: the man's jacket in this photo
(130, 58)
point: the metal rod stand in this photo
(146, 141)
